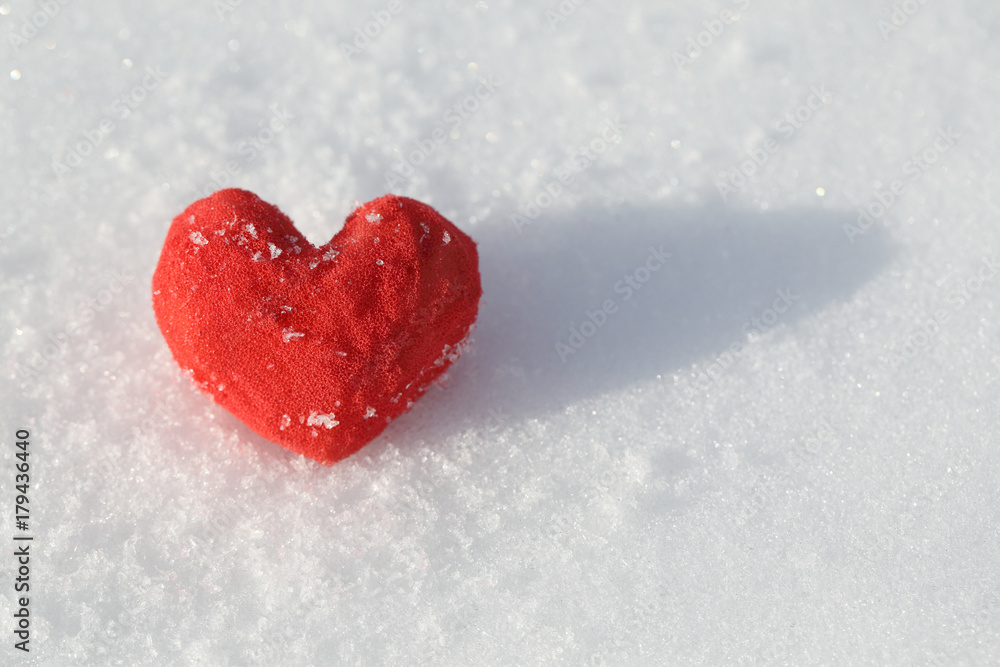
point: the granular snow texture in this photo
(734, 389)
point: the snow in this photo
(289, 335)
(317, 419)
(778, 446)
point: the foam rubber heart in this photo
(315, 348)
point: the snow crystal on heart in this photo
(373, 217)
(275, 250)
(198, 238)
(451, 353)
(318, 419)
(288, 334)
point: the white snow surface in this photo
(780, 447)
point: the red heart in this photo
(316, 349)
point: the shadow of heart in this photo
(726, 268)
